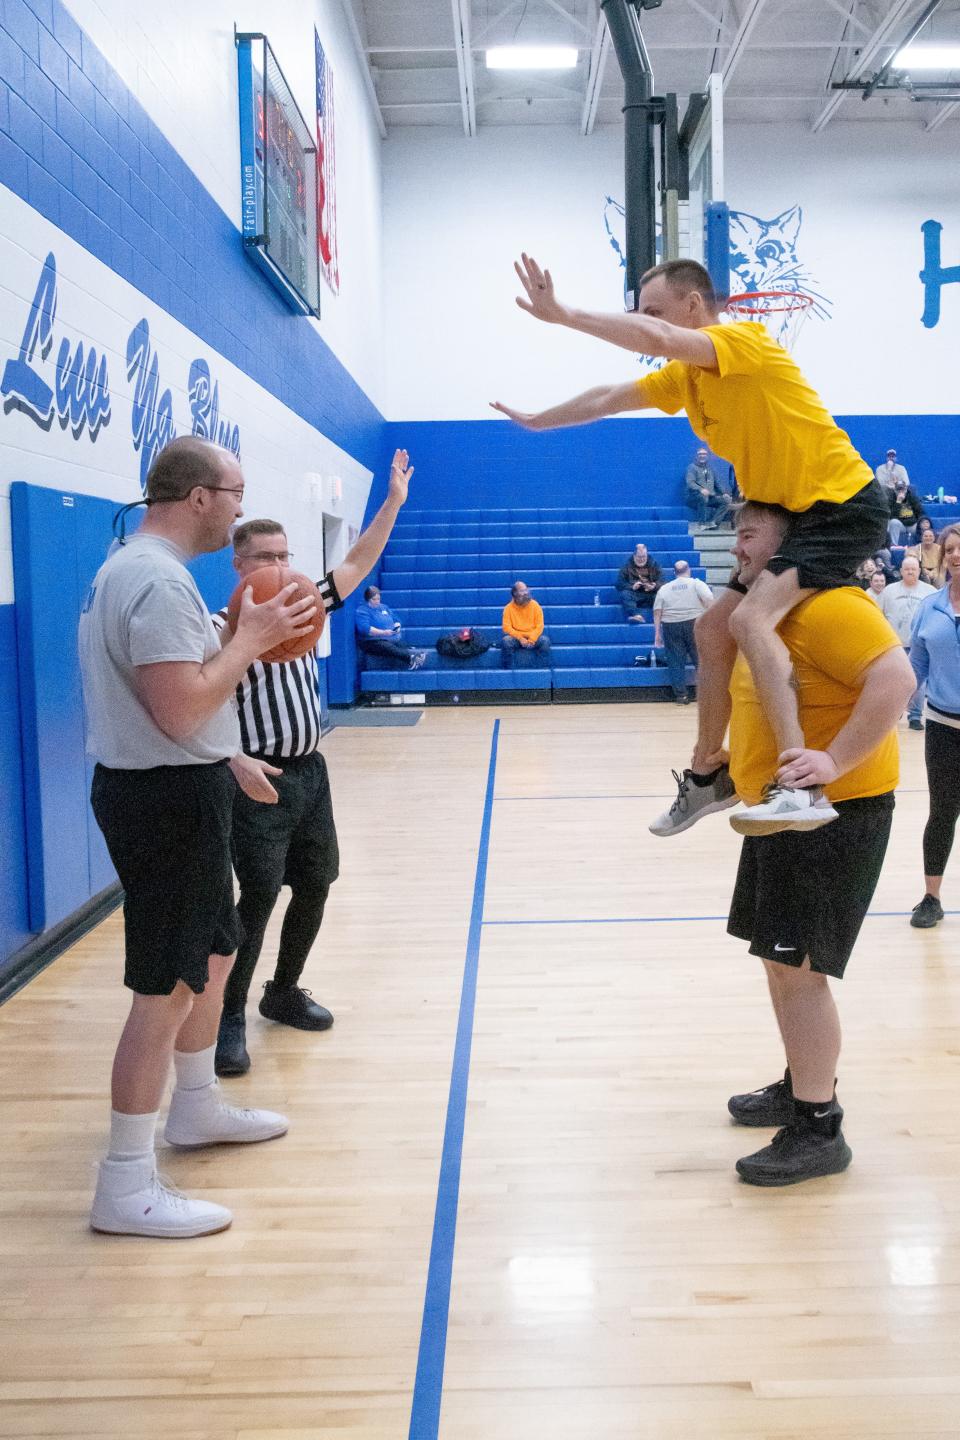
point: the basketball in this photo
(265, 583)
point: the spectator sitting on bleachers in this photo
(877, 584)
(522, 625)
(379, 632)
(704, 492)
(638, 582)
(889, 473)
(906, 511)
(927, 553)
(864, 571)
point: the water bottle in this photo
(596, 597)
(940, 496)
(652, 662)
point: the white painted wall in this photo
(179, 60)
(457, 212)
(293, 473)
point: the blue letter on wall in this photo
(934, 275)
(21, 385)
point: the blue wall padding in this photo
(14, 917)
(52, 553)
(473, 464)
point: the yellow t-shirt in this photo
(832, 638)
(760, 413)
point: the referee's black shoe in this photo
(231, 1056)
(289, 1005)
(799, 1152)
(927, 914)
(773, 1105)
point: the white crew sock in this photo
(132, 1136)
(194, 1069)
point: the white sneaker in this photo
(694, 801)
(200, 1117)
(131, 1199)
(783, 809)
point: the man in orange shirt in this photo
(522, 626)
(801, 897)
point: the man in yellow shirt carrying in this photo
(746, 398)
(800, 899)
(522, 626)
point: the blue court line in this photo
(428, 1385)
(673, 919)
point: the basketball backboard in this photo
(705, 225)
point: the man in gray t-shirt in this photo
(159, 690)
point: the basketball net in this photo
(782, 311)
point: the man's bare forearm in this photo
(581, 410)
(889, 684)
(637, 333)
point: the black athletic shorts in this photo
(808, 893)
(827, 543)
(168, 834)
(293, 842)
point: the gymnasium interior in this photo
(507, 1204)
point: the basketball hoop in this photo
(782, 311)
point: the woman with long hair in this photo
(935, 656)
(927, 551)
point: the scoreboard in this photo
(278, 167)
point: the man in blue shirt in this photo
(379, 632)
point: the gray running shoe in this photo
(695, 801)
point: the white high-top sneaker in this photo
(131, 1199)
(200, 1117)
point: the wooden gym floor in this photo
(611, 1277)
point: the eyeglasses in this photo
(227, 489)
(267, 557)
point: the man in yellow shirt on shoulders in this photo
(522, 626)
(748, 401)
(801, 898)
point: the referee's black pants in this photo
(291, 843)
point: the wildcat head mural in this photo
(763, 256)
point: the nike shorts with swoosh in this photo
(808, 893)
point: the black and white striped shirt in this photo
(279, 705)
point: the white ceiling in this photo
(779, 58)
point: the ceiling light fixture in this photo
(928, 57)
(532, 57)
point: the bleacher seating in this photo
(442, 571)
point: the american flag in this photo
(326, 172)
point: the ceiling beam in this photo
(464, 48)
(598, 64)
(365, 71)
(879, 41)
(571, 19)
(741, 40)
(718, 22)
(942, 114)
(494, 20)
(846, 9)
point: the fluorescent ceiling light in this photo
(532, 57)
(928, 57)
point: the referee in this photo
(295, 841)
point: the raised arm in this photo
(642, 334)
(369, 546)
(583, 409)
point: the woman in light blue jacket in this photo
(935, 657)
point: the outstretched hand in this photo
(541, 301)
(520, 417)
(400, 472)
